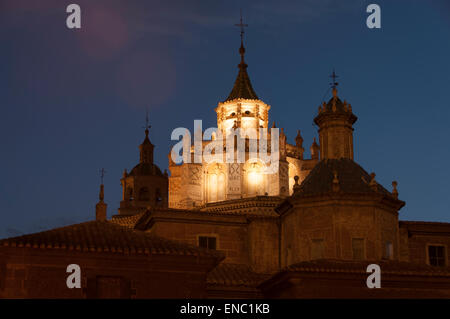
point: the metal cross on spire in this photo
(147, 125)
(242, 25)
(102, 174)
(334, 77)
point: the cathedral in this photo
(226, 230)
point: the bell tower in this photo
(145, 185)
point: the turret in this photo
(335, 121)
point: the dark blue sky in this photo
(73, 101)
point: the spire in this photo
(147, 126)
(146, 148)
(100, 208)
(242, 25)
(101, 195)
(242, 87)
(299, 140)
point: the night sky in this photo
(74, 101)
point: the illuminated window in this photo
(207, 242)
(255, 180)
(215, 184)
(436, 255)
(358, 248)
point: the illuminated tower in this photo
(193, 185)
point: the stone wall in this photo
(337, 222)
(417, 236)
(41, 273)
(231, 233)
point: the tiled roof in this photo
(242, 88)
(387, 267)
(104, 236)
(254, 206)
(235, 275)
(259, 206)
(128, 221)
(352, 179)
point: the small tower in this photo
(335, 121)
(100, 208)
(299, 144)
(315, 150)
(145, 185)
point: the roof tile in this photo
(106, 236)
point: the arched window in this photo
(144, 194)
(255, 179)
(215, 183)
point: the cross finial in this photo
(147, 125)
(334, 77)
(102, 174)
(242, 25)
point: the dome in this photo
(146, 169)
(352, 179)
